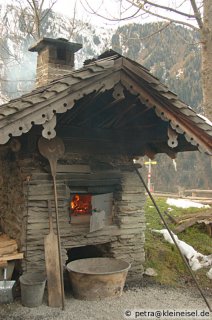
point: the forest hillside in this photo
(171, 53)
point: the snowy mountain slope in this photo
(18, 65)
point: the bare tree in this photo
(34, 10)
(74, 24)
(195, 14)
(17, 34)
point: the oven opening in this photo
(81, 204)
(87, 207)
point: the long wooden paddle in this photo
(52, 264)
(52, 150)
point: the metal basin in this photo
(6, 291)
(97, 278)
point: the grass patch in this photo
(164, 257)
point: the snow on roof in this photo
(206, 119)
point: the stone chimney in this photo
(55, 58)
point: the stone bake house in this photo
(108, 112)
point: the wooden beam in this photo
(15, 256)
(144, 135)
(122, 115)
(90, 99)
(101, 110)
(150, 152)
(115, 108)
(131, 119)
(166, 108)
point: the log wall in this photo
(124, 238)
(12, 200)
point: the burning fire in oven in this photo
(81, 204)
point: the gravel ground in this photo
(146, 298)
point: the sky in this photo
(109, 9)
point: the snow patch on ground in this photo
(195, 259)
(185, 203)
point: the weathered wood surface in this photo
(200, 214)
(52, 265)
(3, 264)
(169, 216)
(189, 220)
(8, 247)
(198, 192)
(15, 256)
(74, 168)
(209, 229)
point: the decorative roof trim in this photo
(44, 114)
(165, 112)
(39, 107)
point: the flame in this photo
(81, 204)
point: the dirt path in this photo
(147, 298)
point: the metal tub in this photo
(97, 278)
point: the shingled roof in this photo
(118, 77)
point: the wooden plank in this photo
(73, 168)
(45, 197)
(8, 249)
(198, 191)
(7, 243)
(199, 215)
(3, 264)
(52, 261)
(38, 208)
(209, 229)
(104, 174)
(48, 190)
(189, 220)
(37, 226)
(15, 256)
(92, 183)
(101, 189)
(4, 237)
(172, 219)
(112, 136)
(37, 204)
(185, 225)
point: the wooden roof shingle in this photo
(41, 105)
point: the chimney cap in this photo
(59, 42)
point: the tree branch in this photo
(49, 9)
(197, 14)
(169, 9)
(92, 11)
(163, 17)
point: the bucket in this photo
(32, 289)
(97, 278)
(6, 288)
